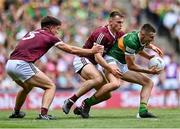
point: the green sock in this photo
(91, 101)
(143, 107)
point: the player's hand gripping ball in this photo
(157, 62)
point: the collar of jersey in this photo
(110, 32)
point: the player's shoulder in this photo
(120, 34)
(101, 29)
(131, 38)
(48, 35)
(131, 34)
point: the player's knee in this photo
(148, 82)
(49, 85)
(115, 85)
(99, 80)
(52, 86)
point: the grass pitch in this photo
(116, 118)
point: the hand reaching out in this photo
(116, 72)
(157, 50)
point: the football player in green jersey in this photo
(122, 56)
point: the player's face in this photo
(116, 23)
(55, 29)
(147, 38)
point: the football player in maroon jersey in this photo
(86, 66)
(21, 66)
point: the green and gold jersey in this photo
(129, 44)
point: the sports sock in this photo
(44, 111)
(74, 98)
(91, 101)
(143, 107)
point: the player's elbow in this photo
(130, 66)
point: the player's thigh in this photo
(89, 71)
(40, 80)
(114, 81)
(136, 77)
(105, 81)
(20, 71)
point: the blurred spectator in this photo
(177, 35)
(170, 80)
(165, 14)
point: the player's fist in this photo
(155, 70)
(97, 48)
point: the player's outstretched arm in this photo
(156, 49)
(79, 51)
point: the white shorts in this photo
(110, 60)
(20, 70)
(79, 63)
(171, 84)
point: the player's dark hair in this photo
(148, 28)
(49, 21)
(115, 13)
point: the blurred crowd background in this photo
(79, 18)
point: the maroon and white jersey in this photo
(102, 36)
(34, 45)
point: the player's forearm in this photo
(73, 49)
(80, 51)
(130, 60)
(138, 68)
(100, 60)
(150, 46)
